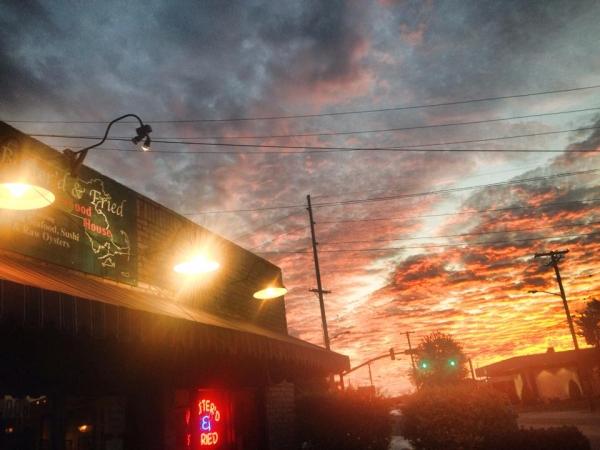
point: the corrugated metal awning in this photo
(213, 333)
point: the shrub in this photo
(463, 417)
(556, 438)
(347, 420)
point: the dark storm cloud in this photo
(19, 86)
(205, 58)
(474, 47)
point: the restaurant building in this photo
(104, 346)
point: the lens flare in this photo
(199, 264)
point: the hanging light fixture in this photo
(197, 265)
(22, 183)
(272, 291)
(24, 196)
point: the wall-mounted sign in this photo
(91, 226)
(207, 421)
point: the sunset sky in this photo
(423, 228)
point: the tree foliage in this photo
(439, 360)
(472, 416)
(453, 417)
(588, 322)
(348, 420)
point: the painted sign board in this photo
(90, 227)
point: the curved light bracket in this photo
(142, 132)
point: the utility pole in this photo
(472, 371)
(555, 258)
(412, 357)
(319, 289)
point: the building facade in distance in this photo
(546, 377)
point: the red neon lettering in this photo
(209, 438)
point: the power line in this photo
(474, 211)
(308, 149)
(293, 230)
(451, 190)
(478, 175)
(481, 233)
(252, 232)
(328, 150)
(399, 196)
(437, 245)
(383, 130)
(336, 113)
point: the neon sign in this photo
(209, 417)
(207, 421)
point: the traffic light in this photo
(452, 362)
(392, 354)
(424, 364)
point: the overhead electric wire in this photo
(481, 233)
(457, 189)
(252, 232)
(399, 196)
(293, 230)
(478, 175)
(335, 113)
(475, 211)
(310, 149)
(384, 130)
(463, 244)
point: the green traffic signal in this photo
(452, 362)
(424, 365)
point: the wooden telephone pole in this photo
(319, 291)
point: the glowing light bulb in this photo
(199, 264)
(17, 189)
(23, 196)
(270, 293)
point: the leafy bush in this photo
(347, 420)
(557, 438)
(462, 416)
